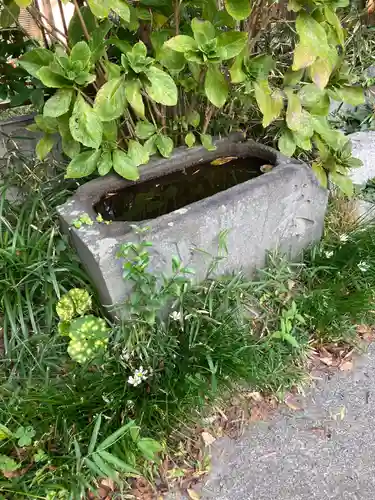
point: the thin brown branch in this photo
(207, 117)
(62, 14)
(51, 25)
(177, 16)
(82, 21)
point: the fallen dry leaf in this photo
(327, 360)
(193, 494)
(256, 396)
(16, 473)
(346, 366)
(208, 438)
(292, 402)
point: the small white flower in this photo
(139, 376)
(363, 266)
(176, 316)
(328, 254)
(344, 237)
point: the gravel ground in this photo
(325, 451)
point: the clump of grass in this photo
(342, 215)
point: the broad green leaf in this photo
(165, 145)
(149, 448)
(150, 145)
(124, 166)
(81, 52)
(36, 59)
(121, 8)
(312, 34)
(314, 99)
(115, 436)
(293, 77)
(215, 86)
(23, 3)
(100, 8)
(190, 139)
(303, 56)
(110, 131)
(182, 43)
(162, 88)
(320, 71)
(51, 79)
(108, 471)
(203, 31)
(134, 97)
(269, 104)
(24, 435)
(44, 146)
(105, 163)
(303, 141)
(193, 118)
(110, 101)
(207, 142)
(351, 95)
(288, 337)
(59, 103)
(343, 182)
(333, 19)
(47, 124)
(70, 147)
(286, 143)
(231, 43)
(8, 464)
(85, 125)
(238, 9)
(144, 130)
(172, 60)
(294, 112)
(82, 165)
(138, 153)
(75, 30)
(237, 74)
(9, 15)
(320, 174)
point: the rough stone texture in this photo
(324, 452)
(281, 209)
(363, 144)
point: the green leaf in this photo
(70, 147)
(85, 125)
(312, 34)
(44, 146)
(303, 56)
(215, 86)
(115, 436)
(231, 43)
(118, 463)
(162, 88)
(7, 464)
(100, 8)
(320, 174)
(165, 145)
(108, 471)
(94, 468)
(110, 131)
(320, 71)
(23, 3)
(124, 166)
(333, 19)
(288, 337)
(24, 435)
(203, 31)
(190, 139)
(138, 153)
(193, 118)
(110, 101)
(293, 77)
(82, 165)
(5, 433)
(149, 448)
(36, 59)
(269, 104)
(182, 43)
(343, 182)
(351, 95)
(237, 74)
(294, 112)
(150, 145)
(75, 30)
(144, 130)
(303, 141)
(238, 9)
(105, 163)
(81, 52)
(47, 124)
(51, 79)
(207, 142)
(134, 97)
(121, 8)
(9, 15)
(286, 143)
(310, 95)
(95, 433)
(59, 103)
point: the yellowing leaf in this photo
(193, 495)
(320, 71)
(321, 175)
(269, 104)
(208, 438)
(286, 143)
(238, 9)
(223, 161)
(343, 182)
(303, 57)
(293, 112)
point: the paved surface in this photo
(324, 452)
